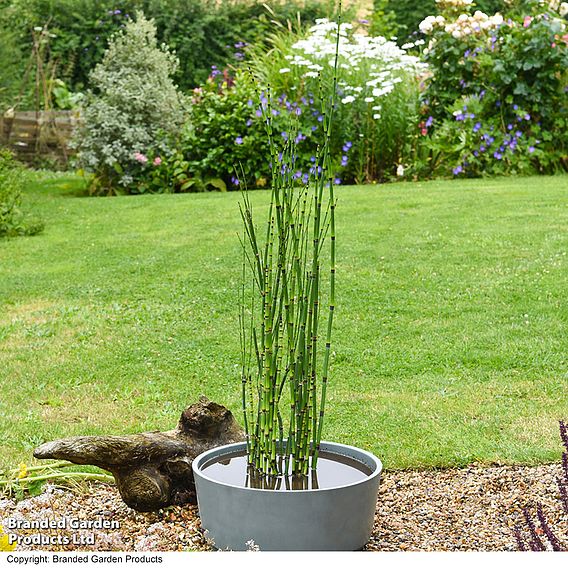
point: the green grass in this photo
(450, 343)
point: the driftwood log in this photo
(153, 470)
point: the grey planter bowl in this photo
(337, 518)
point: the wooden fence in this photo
(39, 138)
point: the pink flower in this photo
(157, 161)
(527, 21)
(139, 157)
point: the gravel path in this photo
(459, 509)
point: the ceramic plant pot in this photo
(337, 517)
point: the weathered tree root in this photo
(153, 470)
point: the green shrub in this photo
(202, 32)
(496, 100)
(133, 111)
(226, 137)
(12, 180)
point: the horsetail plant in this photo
(284, 275)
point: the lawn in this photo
(450, 345)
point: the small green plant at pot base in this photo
(287, 306)
(25, 481)
(13, 177)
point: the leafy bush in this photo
(12, 180)
(226, 138)
(202, 32)
(134, 110)
(496, 100)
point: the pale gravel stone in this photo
(474, 508)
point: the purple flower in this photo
(518, 134)
(337, 181)
(527, 116)
(258, 112)
(482, 149)
(249, 103)
(531, 149)
(515, 107)
(305, 178)
(476, 153)
(238, 140)
(240, 45)
(275, 112)
(457, 170)
(297, 111)
(284, 135)
(364, 22)
(344, 160)
(117, 12)
(498, 104)
(509, 127)
(249, 122)
(314, 128)
(239, 56)
(320, 118)
(313, 159)
(429, 121)
(477, 127)
(497, 155)
(347, 146)
(300, 137)
(297, 175)
(235, 180)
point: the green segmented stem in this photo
(282, 360)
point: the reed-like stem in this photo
(284, 287)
